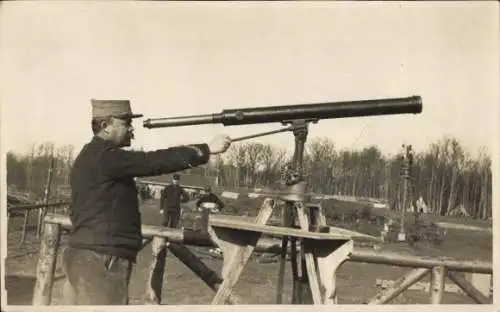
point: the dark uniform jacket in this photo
(210, 198)
(171, 198)
(105, 209)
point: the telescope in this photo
(288, 113)
(298, 118)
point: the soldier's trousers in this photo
(95, 279)
(171, 218)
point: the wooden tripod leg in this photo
(309, 257)
(281, 273)
(295, 273)
(237, 247)
(288, 221)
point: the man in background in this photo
(209, 198)
(170, 202)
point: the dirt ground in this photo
(257, 285)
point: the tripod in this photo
(296, 210)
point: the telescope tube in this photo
(318, 111)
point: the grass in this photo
(356, 281)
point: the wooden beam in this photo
(392, 258)
(468, 288)
(198, 267)
(275, 230)
(23, 207)
(399, 286)
(46, 264)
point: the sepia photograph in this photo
(249, 153)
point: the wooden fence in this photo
(176, 239)
(41, 209)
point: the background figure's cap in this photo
(112, 108)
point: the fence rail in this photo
(437, 268)
(41, 209)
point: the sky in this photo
(176, 59)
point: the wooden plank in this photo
(468, 288)
(360, 237)
(219, 219)
(275, 230)
(399, 286)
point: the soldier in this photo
(210, 198)
(170, 202)
(106, 235)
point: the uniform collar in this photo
(98, 140)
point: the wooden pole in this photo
(468, 288)
(438, 274)
(391, 258)
(402, 233)
(43, 211)
(156, 271)
(25, 225)
(46, 264)
(399, 286)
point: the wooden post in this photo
(399, 286)
(402, 233)
(468, 288)
(43, 211)
(156, 271)
(25, 225)
(438, 274)
(46, 264)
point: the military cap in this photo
(112, 108)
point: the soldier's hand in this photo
(219, 144)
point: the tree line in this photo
(444, 174)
